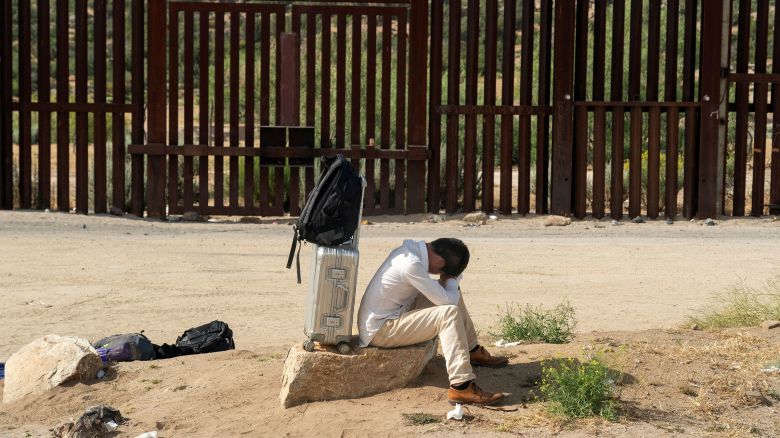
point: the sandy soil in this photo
(94, 276)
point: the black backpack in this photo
(208, 338)
(330, 216)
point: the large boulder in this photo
(48, 362)
(325, 375)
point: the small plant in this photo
(420, 418)
(537, 324)
(741, 306)
(574, 389)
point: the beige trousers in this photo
(452, 324)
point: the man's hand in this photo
(443, 278)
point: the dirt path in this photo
(94, 276)
(672, 383)
(97, 275)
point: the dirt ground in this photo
(632, 286)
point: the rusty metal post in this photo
(6, 181)
(563, 83)
(156, 164)
(290, 80)
(710, 148)
(418, 103)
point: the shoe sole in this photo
(477, 364)
(454, 402)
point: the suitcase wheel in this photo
(308, 345)
(344, 348)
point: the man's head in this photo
(450, 256)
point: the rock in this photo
(638, 220)
(770, 324)
(476, 217)
(192, 216)
(615, 222)
(669, 221)
(367, 222)
(436, 218)
(696, 327)
(48, 362)
(709, 222)
(324, 375)
(556, 221)
(116, 211)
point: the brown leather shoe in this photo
(473, 395)
(481, 357)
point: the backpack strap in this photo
(292, 250)
(298, 262)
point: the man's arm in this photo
(439, 292)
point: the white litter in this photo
(456, 413)
(152, 434)
(772, 369)
(111, 425)
(504, 343)
(101, 374)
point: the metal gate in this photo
(251, 104)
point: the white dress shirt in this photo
(395, 286)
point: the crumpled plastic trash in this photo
(505, 343)
(96, 421)
(456, 413)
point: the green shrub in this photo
(741, 306)
(574, 389)
(537, 324)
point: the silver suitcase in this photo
(331, 300)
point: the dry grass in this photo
(741, 306)
(725, 373)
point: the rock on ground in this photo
(556, 221)
(476, 217)
(324, 375)
(48, 362)
(192, 216)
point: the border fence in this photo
(603, 107)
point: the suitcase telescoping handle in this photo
(356, 237)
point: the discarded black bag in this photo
(208, 338)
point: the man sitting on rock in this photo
(403, 306)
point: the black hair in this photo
(455, 255)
